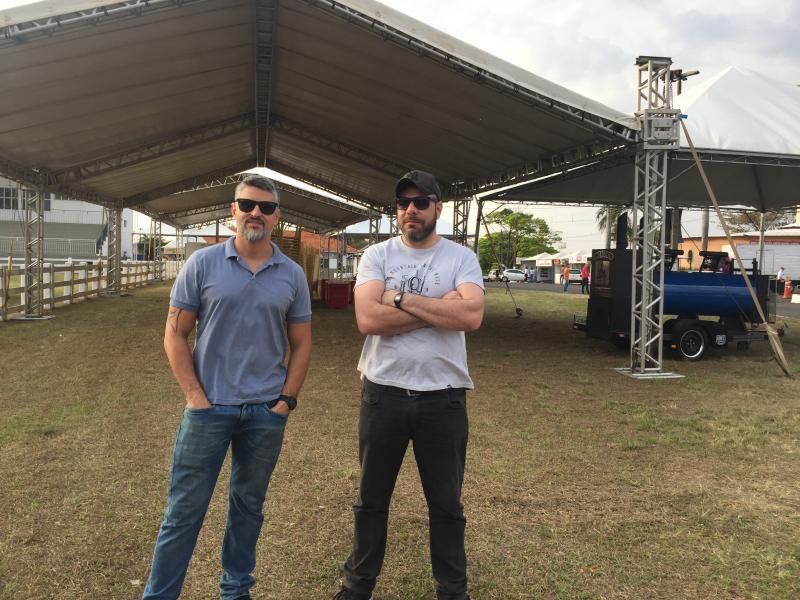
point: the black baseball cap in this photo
(422, 180)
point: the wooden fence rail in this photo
(70, 282)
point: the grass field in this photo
(581, 483)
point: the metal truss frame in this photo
(660, 128)
(456, 188)
(216, 211)
(332, 188)
(374, 228)
(393, 228)
(341, 251)
(265, 26)
(156, 149)
(33, 202)
(158, 250)
(758, 160)
(619, 156)
(17, 172)
(282, 186)
(114, 276)
(460, 220)
(356, 210)
(517, 175)
(32, 177)
(50, 26)
(189, 183)
(605, 127)
(320, 140)
(180, 242)
(478, 220)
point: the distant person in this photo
(415, 296)
(247, 299)
(565, 277)
(585, 279)
(527, 274)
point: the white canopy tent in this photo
(744, 125)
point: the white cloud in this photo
(590, 46)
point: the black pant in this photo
(584, 285)
(436, 422)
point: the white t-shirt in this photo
(425, 359)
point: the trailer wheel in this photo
(692, 343)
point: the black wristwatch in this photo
(398, 298)
(291, 401)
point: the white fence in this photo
(73, 281)
(54, 248)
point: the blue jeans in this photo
(255, 434)
(566, 285)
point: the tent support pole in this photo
(761, 228)
(478, 229)
(33, 204)
(114, 277)
(660, 134)
(461, 214)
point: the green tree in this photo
(747, 221)
(516, 234)
(147, 244)
(607, 216)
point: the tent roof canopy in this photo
(746, 130)
(148, 103)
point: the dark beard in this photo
(419, 235)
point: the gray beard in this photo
(419, 235)
(254, 235)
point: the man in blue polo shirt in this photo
(246, 297)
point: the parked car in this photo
(574, 275)
(513, 275)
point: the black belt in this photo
(403, 391)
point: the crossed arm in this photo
(458, 310)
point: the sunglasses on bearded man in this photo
(247, 206)
(420, 202)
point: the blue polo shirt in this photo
(241, 337)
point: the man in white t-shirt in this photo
(415, 297)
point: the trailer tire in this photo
(692, 342)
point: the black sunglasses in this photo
(248, 205)
(420, 202)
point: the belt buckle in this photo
(412, 393)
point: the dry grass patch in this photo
(581, 483)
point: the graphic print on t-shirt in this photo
(413, 278)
